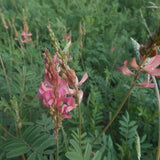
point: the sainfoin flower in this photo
(26, 36)
(150, 66)
(55, 91)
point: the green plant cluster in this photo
(101, 32)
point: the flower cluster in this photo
(25, 34)
(55, 90)
(148, 65)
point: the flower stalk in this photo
(65, 138)
(67, 73)
(158, 103)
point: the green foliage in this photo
(128, 131)
(76, 152)
(101, 32)
(35, 141)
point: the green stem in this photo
(120, 107)
(158, 103)
(6, 131)
(57, 143)
(19, 136)
(64, 137)
(79, 114)
(5, 74)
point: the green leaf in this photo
(132, 123)
(97, 156)
(39, 140)
(76, 146)
(28, 131)
(66, 48)
(32, 156)
(33, 134)
(87, 152)
(17, 152)
(17, 144)
(45, 144)
(51, 157)
(74, 156)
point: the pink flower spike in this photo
(84, 78)
(125, 69)
(133, 63)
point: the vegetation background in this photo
(101, 32)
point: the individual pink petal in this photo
(45, 103)
(84, 78)
(133, 63)
(55, 59)
(43, 87)
(63, 108)
(29, 34)
(125, 69)
(40, 95)
(25, 41)
(69, 108)
(48, 95)
(146, 85)
(64, 111)
(58, 102)
(24, 34)
(67, 115)
(154, 72)
(153, 63)
(80, 96)
(71, 102)
(41, 91)
(61, 92)
(50, 102)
